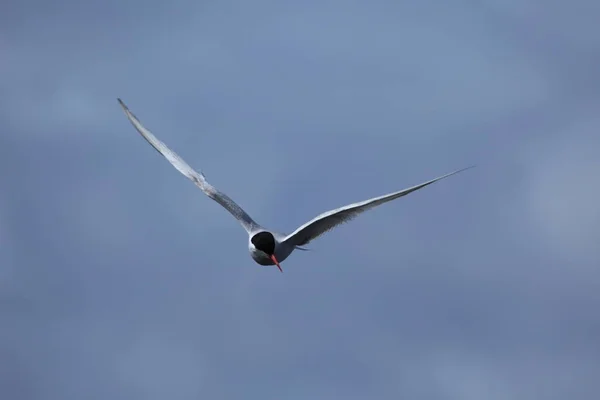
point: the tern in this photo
(268, 247)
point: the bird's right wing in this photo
(330, 219)
(196, 177)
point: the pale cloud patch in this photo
(564, 193)
(102, 217)
(158, 367)
(455, 57)
(6, 248)
(581, 18)
(465, 377)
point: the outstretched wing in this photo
(330, 219)
(196, 177)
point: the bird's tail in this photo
(302, 248)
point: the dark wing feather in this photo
(330, 219)
(197, 177)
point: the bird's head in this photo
(265, 242)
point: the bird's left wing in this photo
(330, 219)
(196, 177)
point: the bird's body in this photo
(267, 247)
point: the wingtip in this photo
(121, 103)
(464, 169)
(126, 109)
(458, 171)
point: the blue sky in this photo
(120, 280)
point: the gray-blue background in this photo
(120, 280)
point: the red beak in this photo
(276, 262)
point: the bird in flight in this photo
(268, 247)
